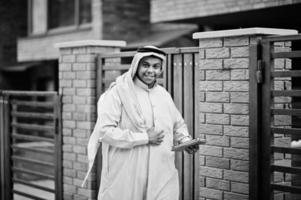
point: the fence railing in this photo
(30, 145)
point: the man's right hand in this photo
(154, 136)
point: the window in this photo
(63, 13)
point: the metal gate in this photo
(275, 129)
(179, 78)
(30, 145)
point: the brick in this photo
(85, 58)
(69, 188)
(240, 120)
(239, 131)
(68, 124)
(236, 176)
(81, 133)
(79, 116)
(211, 64)
(68, 107)
(211, 172)
(211, 193)
(90, 66)
(239, 52)
(217, 75)
(80, 166)
(85, 92)
(68, 180)
(79, 83)
(79, 50)
(239, 165)
(238, 63)
(91, 83)
(210, 107)
(211, 150)
(67, 148)
(67, 99)
(85, 125)
(218, 184)
(65, 67)
(87, 75)
(217, 140)
(79, 100)
(217, 162)
(236, 41)
(234, 196)
(216, 42)
(239, 142)
(67, 131)
(69, 140)
(237, 86)
(217, 118)
(235, 108)
(79, 66)
(69, 172)
(217, 96)
(82, 158)
(241, 154)
(65, 83)
(80, 149)
(210, 85)
(67, 164)
(68, 91)
(239, 74)
(217, 53)
(67, 116)
(239, 97)
(211, 129)
(241, 188)
(68, 58)
(85, 108)
(202, 160)
(82, 141)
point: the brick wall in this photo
(224, 64)
(77, 85)
(162, 10)
(224, 109)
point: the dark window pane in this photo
(84, 11)
(61, 13)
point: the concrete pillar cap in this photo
(243, 32)
(94, 43)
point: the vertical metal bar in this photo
(196, 100)
(266, 121)
(177, 96)
(76, 13)
(188, 116)
(7, 150)
(99, 71)
(254, 99)
(29, 16)
(169, 73)
(2, 180)
(58, 146)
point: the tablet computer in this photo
(184, 145)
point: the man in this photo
(137, 125)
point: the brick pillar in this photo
(224, 65)
(77, 85)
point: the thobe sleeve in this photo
(109, 115)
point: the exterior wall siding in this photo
(126, 19)
(162, 10)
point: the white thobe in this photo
(133, 169)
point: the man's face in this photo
(149, 69)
